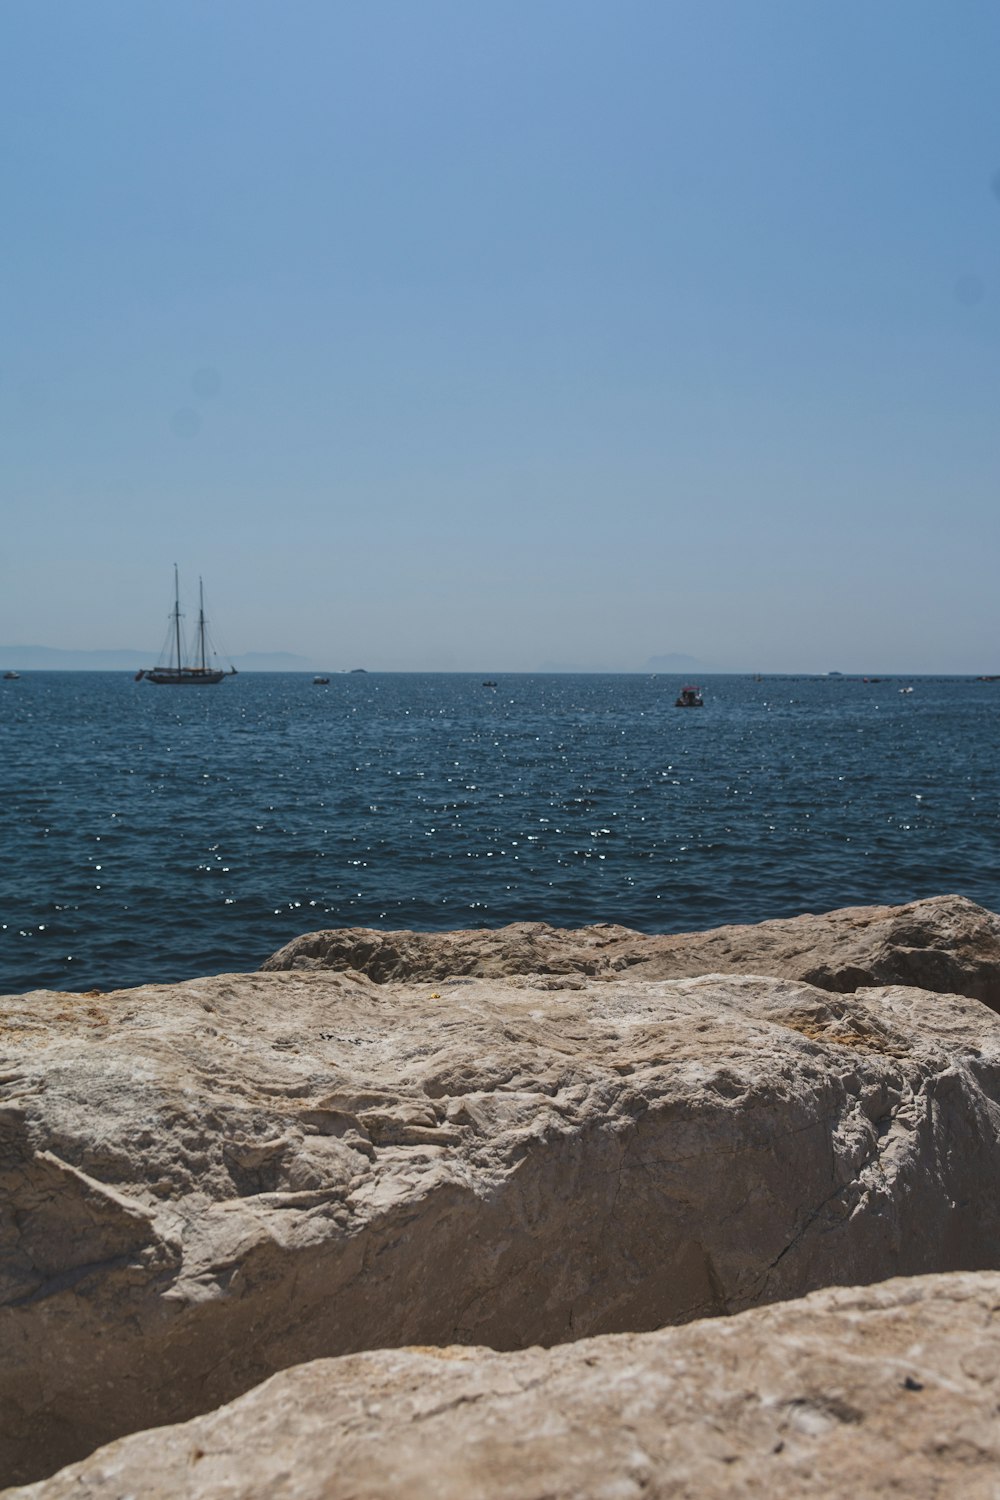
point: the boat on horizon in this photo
(12, 676)
(689, 697)
(182, 670)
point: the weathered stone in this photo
(946, 944)
(885, 1391)
(201, 1184)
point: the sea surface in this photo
(156, 833)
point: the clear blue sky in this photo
(460, 334)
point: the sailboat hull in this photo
(186, 676)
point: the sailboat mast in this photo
(177, 617)
(187, 663)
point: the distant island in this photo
(676, 661)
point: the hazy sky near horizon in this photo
(451, 335)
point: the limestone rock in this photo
(885, 1391)
(946, 944)
(203, 1183)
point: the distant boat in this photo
(182, 671)
(321, 682)
(689, 697)
(488, 682)
(12, 677)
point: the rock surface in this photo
(946, 944)
(885, 1391)
(201, 1184)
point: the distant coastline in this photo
(61, 659)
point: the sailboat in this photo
(196, 670)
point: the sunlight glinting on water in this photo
(157, 833)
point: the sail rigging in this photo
(181, 667)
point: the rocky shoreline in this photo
(874, 1391)
(510, 1139)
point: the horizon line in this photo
(872, 678)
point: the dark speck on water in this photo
(155, 834)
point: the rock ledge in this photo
(881, 1391)
(945, 943)
(205, 1183)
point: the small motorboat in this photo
(689, 697)
(488, 682)
(321, 682)
(12, 677)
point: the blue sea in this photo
(156, 833)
